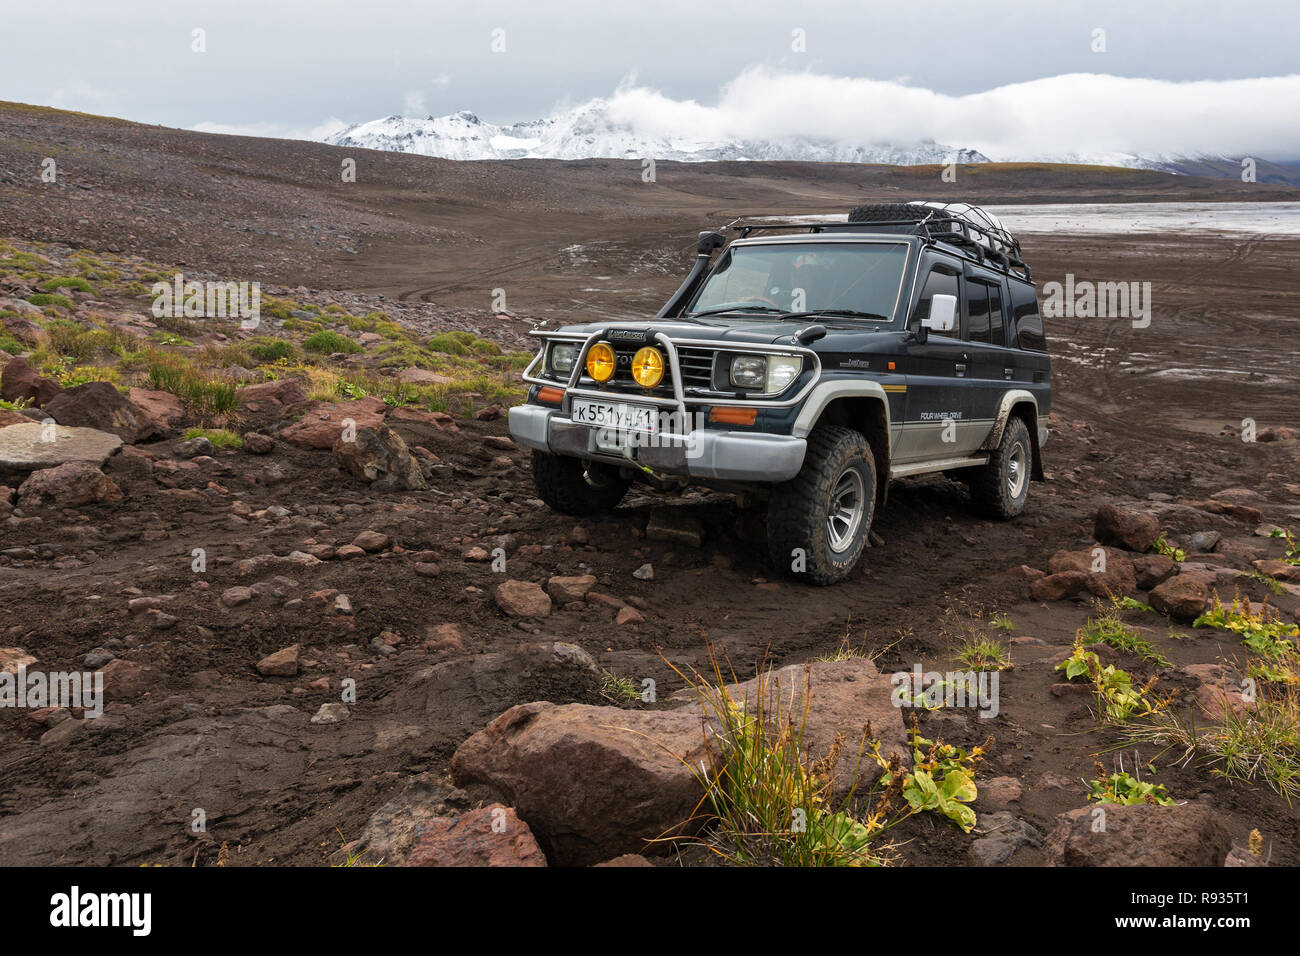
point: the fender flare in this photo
(1010, 400)
(826, 392)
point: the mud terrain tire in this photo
(574, 487)
(999, 489)
(890, 212)
(799, 513)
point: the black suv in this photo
(813, 362)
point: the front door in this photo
(937, 423)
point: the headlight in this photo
(601, 361)
(648, 367)
(562, 357)
(781, 371)
(749, 371)
(768, 374)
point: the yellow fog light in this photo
(648, 367)
(601, 362)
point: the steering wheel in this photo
(761, 298)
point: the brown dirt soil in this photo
(202, 729)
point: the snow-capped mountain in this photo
(588, 132)
(591, 132)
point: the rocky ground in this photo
(390, 650)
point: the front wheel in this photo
(999, 488)
(818, 522)
(575, 487)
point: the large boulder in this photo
(29, 446)
(1153, 569)
(1183, 597)
(19, 382)
(596, 782)
(522, 599)
(100, 406)
(592, 782)
(380, 458)
(1106, 574)
(163, 409)
(845, 698)
(467, 691)
(1059, 586)
(271, 399)
(68, 486)
(1130, 530)
(324, 423)
(489, 836)
(1141, 835)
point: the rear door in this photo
(993, 365)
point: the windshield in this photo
(859, 278)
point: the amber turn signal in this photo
(550, 395)
(648, 367)
(601, 362)
(733, 415)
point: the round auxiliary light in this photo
(601, 362)
(648, 367)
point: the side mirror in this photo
(943, 314)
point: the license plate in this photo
(617, 416)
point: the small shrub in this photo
(50, 298)
(1126, 790)
(327, 342)
(271, 350)
(66, 282)
(1108, 629)
(220, 437)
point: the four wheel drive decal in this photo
(875, 397)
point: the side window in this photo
(942, 280)
(977, 311)
(1027, 323)
(996, 320)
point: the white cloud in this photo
(1073, 113)
(273, 130)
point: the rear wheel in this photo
(818, 521)
(999, 488)
(575, 487)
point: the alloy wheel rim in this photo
(847, 505)
(1016, 471)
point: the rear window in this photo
(1027, 323)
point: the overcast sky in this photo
(297, 67)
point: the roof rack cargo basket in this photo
(978, 234)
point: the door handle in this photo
(960, 368)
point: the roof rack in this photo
(980, 244)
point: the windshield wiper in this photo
(735, 308)
(850, 313)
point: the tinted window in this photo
(996, 321)
(977, 311)
(1027, 323)
(942, 280)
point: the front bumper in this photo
(705, 453)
